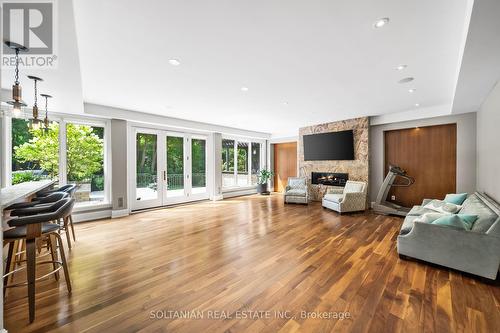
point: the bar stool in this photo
(64, 188)
(43, 206)
(70, 189)
(32, 229)
(24, 208)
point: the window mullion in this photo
(235, 157)
(62, 154)
(249, 164)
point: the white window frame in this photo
(62, 119)
(262, 163)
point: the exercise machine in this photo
(381, 205)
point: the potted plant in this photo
(262, 179)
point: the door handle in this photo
(164, 175)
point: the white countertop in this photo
(12, 194)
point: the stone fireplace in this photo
(329, 178)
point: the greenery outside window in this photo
(85, 162)
(35, 153)
(246, 156)
(67, 152)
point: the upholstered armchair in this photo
(351, 199)
(296, 191)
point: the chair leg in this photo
(53, 252)
(8, 266)
(64, 263)
(20, 254)
(72, 227)
(31, 273)
(66, 229)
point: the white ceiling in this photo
(63, 82)
(323, 58)
(480, 67)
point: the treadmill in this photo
(381, 205)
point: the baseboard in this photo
(217, 197)
(91, 216)
(231, 194)
(119, 213)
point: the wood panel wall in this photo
(428, 154)
(285, 164)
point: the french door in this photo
(170, 168)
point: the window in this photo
(243, 159)
(246, 156)
(198, 165)
(85, 162)
(175, 166)
(35, 152)
(146, 174)
(68, 151)
(255, 162)
(228, 163)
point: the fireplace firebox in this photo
(329, 178)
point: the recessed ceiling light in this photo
(174, 62)
(285, 103)
(412, 90)
(406, 80)
(417, 105)
(401, 67)
(381, 22)
(244, 88)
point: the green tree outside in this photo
(85, 151)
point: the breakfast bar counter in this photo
(20, 192)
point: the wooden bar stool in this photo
(33, 229)
(42, 205)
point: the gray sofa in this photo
(475, 251)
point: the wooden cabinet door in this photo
(285, 164)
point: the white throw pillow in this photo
(429, 217)
(443, 207)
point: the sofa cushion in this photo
(296, 192)
(407, 225)
(297, 183)
(443, 207)
(474, 206)
(333, 197)
(353, 187)
(456, 199)
(420, 210)
(429, 217)
(458, 221)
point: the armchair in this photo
(296, 191)
(351, 199)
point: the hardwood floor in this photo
(252, 254)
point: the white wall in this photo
(466, 149)
(488, 145)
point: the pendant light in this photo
(35, 122)
(16, 102)
(46, 120)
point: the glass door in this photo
(148, 175)
(175, 190)
(170, 168)
(198, 167)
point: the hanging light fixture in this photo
(35, 122)
(16, 102)
(46, 120)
